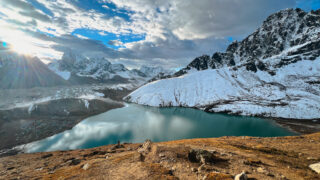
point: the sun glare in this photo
(19, 42)
(23, 47)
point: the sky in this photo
(168, 33)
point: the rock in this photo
(46, 156)
(117, 146)
(173, 168)
(194, 169)
(201, 168)
(201, 156)
(39, 169)
(315, 167)
(283, 177)
(216, 175)
(161, 155)
(75, 162)
(141, 157)
(111, 151)
(262, 170)
(241, 176)
(311, 158)
(10, 168)
(86, 166)
(251, 67)
(146, 147)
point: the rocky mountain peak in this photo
(285, 37)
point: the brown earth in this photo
(214, 158)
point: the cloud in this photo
(175, 31)
(25, 9)
(115, 43)
(179, 30)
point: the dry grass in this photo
(282, 157)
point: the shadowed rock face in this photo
(26, 72)
(278, 35)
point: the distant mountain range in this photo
(19, 71)
(274, 72)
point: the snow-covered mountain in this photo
(80, 69)
(274, 72)
(154, 71)
(19, 71)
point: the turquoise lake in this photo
(135, 123)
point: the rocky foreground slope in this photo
(218, 158)
(274, 72)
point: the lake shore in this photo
(299, 126)
(19, 126)
(225, 157)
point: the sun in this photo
(19, 42)
(23, 47)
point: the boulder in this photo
(201, 156)
(241, 176)
(86, 166)
(146, 147)
(315, 167)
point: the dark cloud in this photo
(26, 9)
(115, 43)
(36, 15)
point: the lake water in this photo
(135, 123)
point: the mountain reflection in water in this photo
(135, 123)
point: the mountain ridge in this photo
(276, 34)
(20, 71)
(274, 72)
(78, 68)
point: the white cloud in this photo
(105, 6)
(175, 30)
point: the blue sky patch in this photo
(111, 11)
(40, 6)
(308, 5)
(46, 33)
(105, 37)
